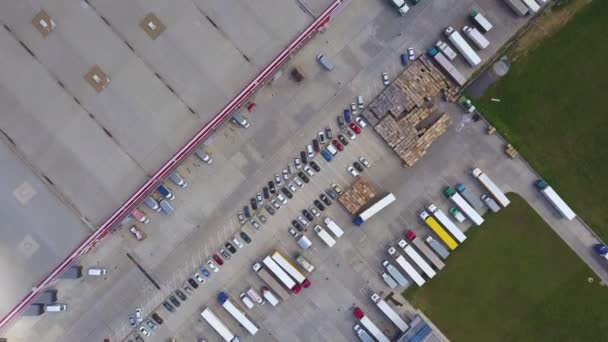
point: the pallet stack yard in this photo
(410, 100)
(359, 194)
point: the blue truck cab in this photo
(165, 192)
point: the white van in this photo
(248, 303)
(97, 271)
(55, 308)
(270, 297)
(325, 62)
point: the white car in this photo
(199, 278)
(359, 120)
(297, 163)
(360, 102)
(354, 109)
(309, 170)
(212, 266)
(411, 54)
(282, 198)
(285, 174)
(259, 198)
(303, 221)
(322, 140)
(255, 224)
(352, 171)
(298, 182)
(385, 80)
(275, 204)
(292, 187)
(144, 331)
(277, 179)
(336, 188)
(294, 233)
(365, 162)
(314, 211)
(138, 315)
(237, 242)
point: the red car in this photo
(316, 146)
(218, 260)
(354, 127)
(338, 145)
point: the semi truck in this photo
(291, 269)
(492, 188)
(416, 258)
(324, 235)
(446, 66)
(437, 247)
(517, 6)
(219, 326)
(476, 37)
(461, 45)
(374, 209)
(283, 277)
(333, 226)
(394, 272)
(481, 21)
(557, 202)
(446, 49)
(389, 312)
(446, 223)
(239, 315)
(424, 249)
(369, 325)
(463, 205)
(532, 5)
(270, 281)
(438, 230)
(469, 196)
(406, 266)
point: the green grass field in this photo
(554, 110)
(515, 280)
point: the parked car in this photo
(139, 235)
(255, 224)
(286, 192)
(203, 156)
(177, 179)
(298, 181)
(309, 170)
(404, 60)
(266, 192)
(365, 162)
(338, 145)
(269, 209)
(358, 166)
(277, 179)
(181, 295)
(139, 315)
(193, 283)
(321, 136)
(314, 166)
(310, 151)
(325, 62)
(212, 266)
(144, 331)
(326, 155)
(217, 259)
(314, 211)
(411, 54)
(325, 200)
(151, 324)
(336, 188)
(237, 242)
(352, 171)
(281, 198)
(240, 217)
(297, 225)
(246, 212)
(360, 102)
(199, 278)
(328, 133)
(156, 317)
(348, 116)
(271, 187)
(297, 163)
(253, 203)
(245, 237)
(331, 194)
(307, 215)
(304, 157)
(354, 127)
(302, 220)
(292, 187)
(230, 247)
(303, 176)
(343, 140)
(316, 146)
(360, 121)
(174, 301)
(385, 79)
(341, 122)
(319, 205)
(353, 108)
(168, 306)
(350, 134)
(205, 272)
(259, 198)
(132, 321)
(275, 204)
(293, 233)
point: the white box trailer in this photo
(389, 312)
(517, 6)
(465, 207)
(394, 272)
(476, 37)
(557, 202)
(416, 258)
(532, 5)
(446, 49)
(283, 277)
(447, 223)
(333, 226)
(324, 235)
(239, 315)
(492, 188)
(424, 249)
(461, 45)
(291, 269)
(219, 326)
(270, 281)
(370, 326)
(483, 23)
(437, 247)
(406, 266)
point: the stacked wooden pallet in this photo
(359, 194)
(419, 147)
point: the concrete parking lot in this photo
(365, 40)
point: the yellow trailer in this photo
(435, 227)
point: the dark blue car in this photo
(347, 116)
(246, 212)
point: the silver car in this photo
(292, 187)
(298, 181)
(303, 221)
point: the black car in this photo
(319, 205)
(192, 283)
(314, 166)
(169, 307)
(230, 247)
(331, 194)
(174, 301)
(358, 166)
(343, 139)
(328, 134)
(253, 203)
(297, 225)
(266, 192)
(304, 157)
(286, 192)
(271, 187)
(245, 237)
(303, 176)
(308, 215)
(156, 317)
(269, 209)
(341, 123)
(325, 200)
(180, 294)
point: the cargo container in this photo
(461, 45)
(239, 315)
(291, 269)
(333, 227)
(324, 235)
(469, 196)
(370, 326)
(406, 266)
(437, 247)
(494, 190)
(518, 7)
(33, 310)
(446, 223)
(476, 37)
(424, 249)
(374, 209)
(73, 272)
(219, 326)
(438, 230)
(363, 335)
(490, 203)
(416, 258)
(46, 297)
(481, 21)
(389, 312)
(389, 280)
(283, 277)
(270, 281)
(447, 66)
(395, 274)
(557, 202)
(532, 5)
(463, 205)
(446, 49)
